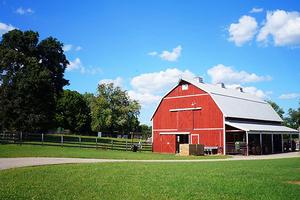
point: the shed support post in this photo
(272, 138)
(282, 144)
(291, 138)
(260, 141)
(247, 145)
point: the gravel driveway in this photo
(7, 163)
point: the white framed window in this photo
(185, 87)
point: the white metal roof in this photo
(236, 104)
(261, 128)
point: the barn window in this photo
(185, 87)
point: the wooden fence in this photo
(73, 141)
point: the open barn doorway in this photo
(181, 139)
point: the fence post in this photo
(112, 144)
(42, 138)
(80, 141)
(96, 143)
(62, 140)
(126, 145)
(21, 138)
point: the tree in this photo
(293, 118)
(73, 112)
(276, 107)
(145, 130)
(31, 80)
(113, 110)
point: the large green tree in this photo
(293, 118)
(73, 112)
(277, 108)
(113, 110)
(31, 78)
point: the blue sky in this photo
(146, 46)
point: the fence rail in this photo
(72, 141)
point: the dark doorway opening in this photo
(277, 140)
(181, 139)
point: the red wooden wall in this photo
(207, 123)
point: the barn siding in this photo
(209, 117)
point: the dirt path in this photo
(7, 163)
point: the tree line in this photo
(291, 118)
(32, 98)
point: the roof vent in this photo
(240, 89)
(222, 85)
(198, 79)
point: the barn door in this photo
(185, 120)
(194, 138)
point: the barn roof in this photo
(236, 104)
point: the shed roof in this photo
(236, 104)
(261, 127)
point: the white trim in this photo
(174, 133)
(152, 133)
(200, 129)
(271, 132)
(165, 129)
(224, 136)
(184, 109)
(192, 137)
(184, 96)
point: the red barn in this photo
(223, 120)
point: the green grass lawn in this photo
(264, 179)
(12, 150)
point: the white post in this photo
(260, 141)
(291, 141)
(42, 138)
(272, 143)
(282, 143)
(62, 140)
(247, 153)
(96, 143)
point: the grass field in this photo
(12, 150)
(264, 179)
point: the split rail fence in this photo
(73, 141)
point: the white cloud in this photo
(226, 74)
(69, 47)
(243, 31)
(251, 90)
(78, 48)
(74, 65)
(152, 53)
(148, 88)
(23, 11)
(4, 28)
(171, 56)
(157, 82)
(144, 99)
(282, 26)
(256, 10)
(77, 65)
(117, 82)
(289, 96)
